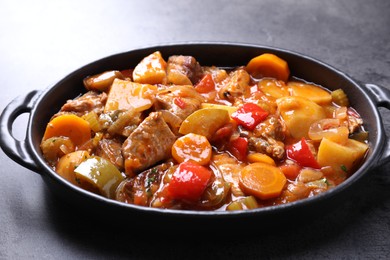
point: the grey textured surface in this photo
(42, 41)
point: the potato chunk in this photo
(310, 91)
(205, 121)
(68, 163)
(103, 81)
(342, 158)
(298, 114)
(151, 70)
(273, 87)
(125, 94)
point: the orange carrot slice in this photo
(192, 147)
(262, 180)
(72, 126)
(268, 65)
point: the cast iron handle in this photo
(17, 150)
(381, 97)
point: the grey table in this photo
(42, 41)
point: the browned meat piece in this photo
(183, 70)
(219, 75)
(149, 188)
(272, 127)
(179, 100)
(235, 86)
(268, 146)
(90, 101)
(268, 138)
(142, 189)
(111, 150)
(148, 144)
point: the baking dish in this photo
(42, 104)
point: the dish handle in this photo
(17, 150)
(381, 97)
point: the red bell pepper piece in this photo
(249, 115)
(206, 84)
(239, 148)
(179, 102)
(301, 153)
(189, 181)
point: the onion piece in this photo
(329, 128)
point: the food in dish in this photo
(174, 133)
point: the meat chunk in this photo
(148, 144)
(90, 101)
(268, 146)
(142, 189)
(111, 150)
(183, 70)
(272, 127)
(235, 86)
(268, 138)
(218, 74)
(179, 100)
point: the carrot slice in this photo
(262, 180)
(72, 126)
(192, 147)
(268, 65)
(260, 157)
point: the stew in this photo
(172, 133)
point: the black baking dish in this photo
(41, 105)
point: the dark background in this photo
(42, 41)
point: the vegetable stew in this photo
(174, 133)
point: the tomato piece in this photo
(301, 153)
(206, 84)
(223, 134)
(189, 181)
(249, 115)
(239, 148)
(291, 171)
